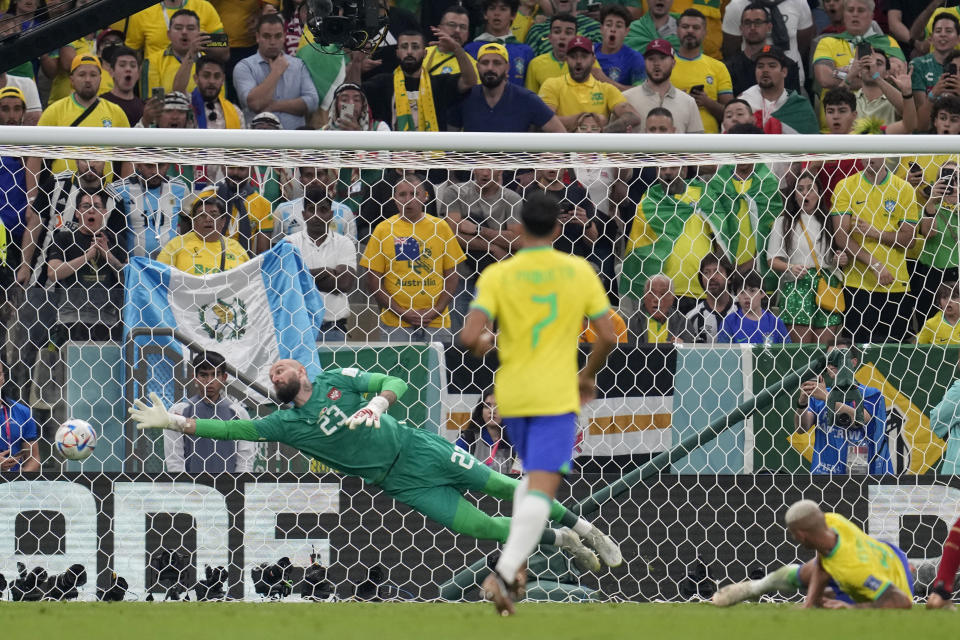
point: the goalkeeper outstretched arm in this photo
(156, 416)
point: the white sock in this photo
(779, 580)
(582, 527)
(525, 530)
(561, 537)
(518, 495)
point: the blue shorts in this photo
(544, 443)
(897, 551)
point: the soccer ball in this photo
(76, 439)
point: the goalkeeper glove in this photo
(370, 415)
(155, 416)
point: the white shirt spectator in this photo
(335, 251)
(799, 249)
(683, 108)
(598, 181)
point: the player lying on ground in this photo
(417, 468)
(860, 571)
(941, 593)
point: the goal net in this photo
(184, 263)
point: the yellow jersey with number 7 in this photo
(539, 298)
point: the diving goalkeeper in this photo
(851, 569)
(417, 468)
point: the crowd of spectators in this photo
(689, 254)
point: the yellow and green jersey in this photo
(192, 254)
(568, 97)
(539, 298)
(413, 258)
(862, 566)
(937, 330)
(885, 206)
(147, 30)
(64, 112)
(706, 71)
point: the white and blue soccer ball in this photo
(76, 439)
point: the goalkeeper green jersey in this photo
(319, 428)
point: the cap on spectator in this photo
(659, 46)
(191, 202)
(772, 51)
(267, 120)
(493, 47)
(109, 32)
(177, 101)
(580, 42)
(13, 92)
(87, 58)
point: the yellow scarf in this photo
(427, 111)
(230, 118)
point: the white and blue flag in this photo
(254, 314)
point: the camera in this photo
(28, 585)
(349, 24)
(212, 587)
(64, 586)
(171, 568)
(377, 586)
(272, 580)
(116, 591)
(697, 583)
(843, 421)
(844, 389)
(315, 585)
(36, 584)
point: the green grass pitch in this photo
(389, 621)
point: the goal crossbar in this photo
(447, 149)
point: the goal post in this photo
(689, 456)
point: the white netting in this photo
(86, 333)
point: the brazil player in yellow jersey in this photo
(538, 299)
(851, 569)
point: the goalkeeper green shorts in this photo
(431, 475)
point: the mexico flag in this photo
(790, 113)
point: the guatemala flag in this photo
(266, 309)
